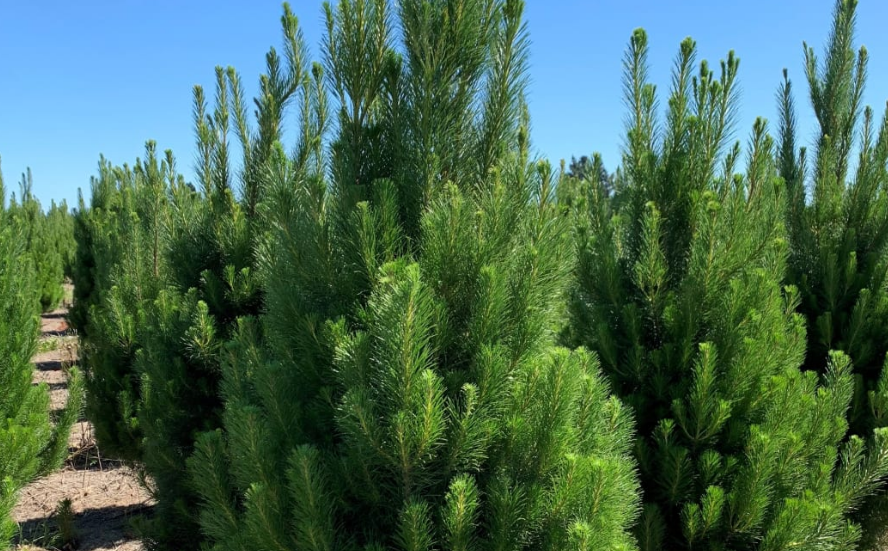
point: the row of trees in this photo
(406, 333)
(47, 237)
(33, 437)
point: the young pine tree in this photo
(403, 390)
(210, 245)
(43, 240)
(33, 439)
(83, 268)
(679, 292)
(60, 224)
(839, 234)
(119, 270)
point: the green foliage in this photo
(352, 344)
(162, 272)
(33, 440)
(210, 278)
(839, 234)
(679, 291)
(119, 268)
(60, 232)
(83, 270)
(585, 168)
(64, 519)
(23, 408)
(402, 389)
(48, 241)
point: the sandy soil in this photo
(105, 495)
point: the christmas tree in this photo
(679, 290)
(47, 239)
(837, 215)
(403, 389)
(838, 233)
(119, 269)
(211, 280)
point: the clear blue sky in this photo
(82, 78)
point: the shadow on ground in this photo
(51, 365)
(91, 529)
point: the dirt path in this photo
(104, 495)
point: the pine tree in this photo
(839, 234)
(402, 389)
(33, 440)
(679, 292)
(162, 272)
(120, 269)
(83, 268)
(60, 227)
(585, 168)
(45, 235)
(211, 281)
(838, 228)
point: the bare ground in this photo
(104, 495)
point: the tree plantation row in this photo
(36, 252)
(402, 332)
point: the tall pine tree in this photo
(679, 291)
(211, 280)
(838, 227)
(837, 216)
(403, 390)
